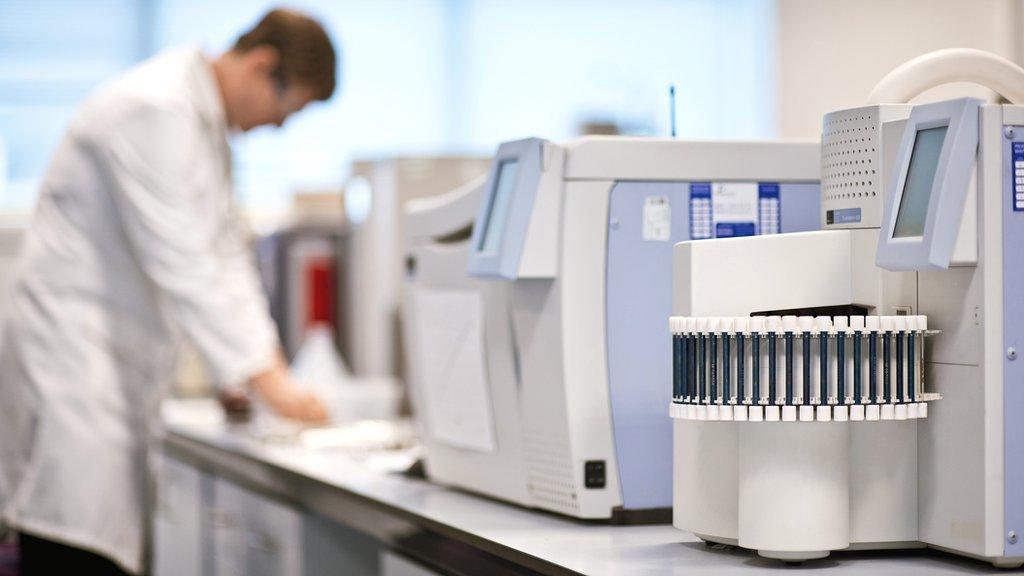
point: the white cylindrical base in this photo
(704, 478)
(794, 489)
(883, 481)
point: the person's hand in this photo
(290, 401)
(276, 387)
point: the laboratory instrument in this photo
(458, 344)
(576, 238)
(299, 265)
(858, 387)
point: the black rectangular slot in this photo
(593, 474)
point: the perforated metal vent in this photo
(549, 473)
(854, 162)
(849, 155)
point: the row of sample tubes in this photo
(797, 360)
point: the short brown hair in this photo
(307, 55)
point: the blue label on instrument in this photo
(700, 210)
(843, 216)
(700, 190)
(1017, 174)
(734, 229)
(768, 190)
(769, 208)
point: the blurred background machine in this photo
(845, 427)
(545, 360)
(374, 198)
(333, 272)
(304, 268)
(337, 261)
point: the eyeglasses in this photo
(280, 82)
(288, 102)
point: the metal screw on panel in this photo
(1008, 132)
(614, 223)
(1011, 537)
(1011, 353)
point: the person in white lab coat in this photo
(136, 244)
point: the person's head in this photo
(274, 70)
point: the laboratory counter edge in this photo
(433, 523)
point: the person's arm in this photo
(157, 177)
(274, 384)
(278, 390)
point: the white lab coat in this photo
(135, 242)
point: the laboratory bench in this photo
(231, 502)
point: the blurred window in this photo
(418, 76)
(52, 53)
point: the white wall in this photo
(419, 76)
(832, 52)
(52, 53)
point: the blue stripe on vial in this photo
(726, 368)
(714, 368)
(857, 396)
(901, 394)
(676, 378)
(740, 365)
(873, 366)
(841, 367)
(755, 372)
(789, 368)
(702, 368)
(694, 376)
(694, 392)
(823, 362)
(806, 342)
(886, 372)
(911, 366)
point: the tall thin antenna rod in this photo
(672, 107)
